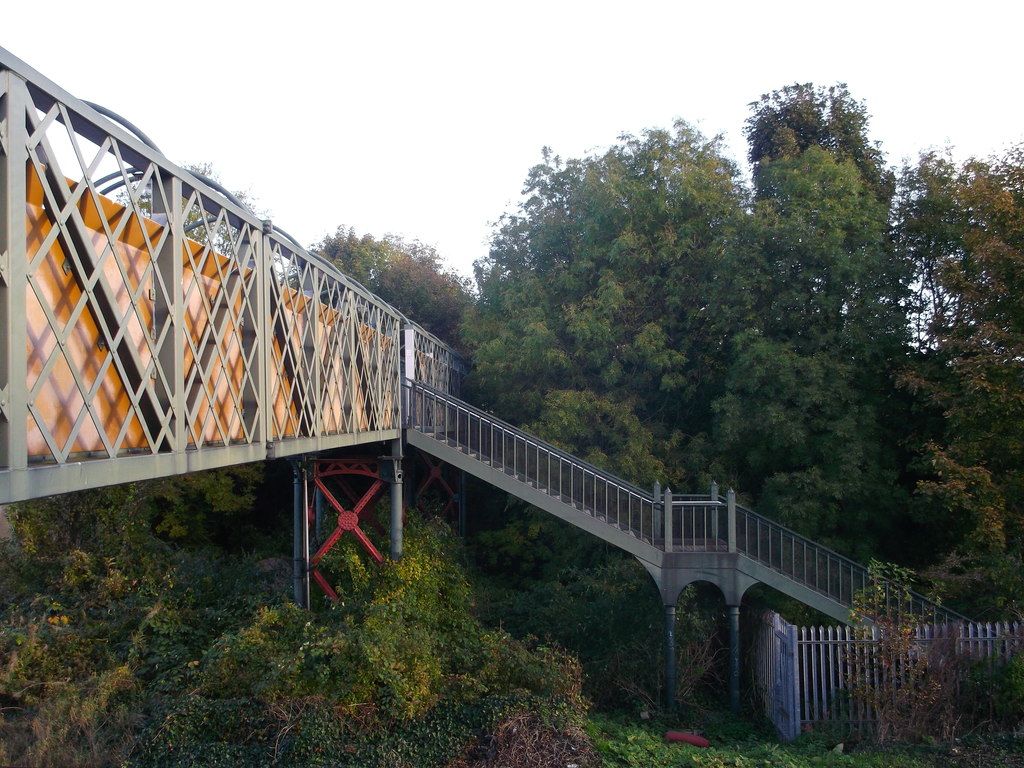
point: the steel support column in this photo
(397, 500)
(462, 503)
(670, 657)
(300, 536)
(734, 659)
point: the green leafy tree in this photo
(410, 276)
(594, 324)
(817, 329)
(788, 122)
(965, 229)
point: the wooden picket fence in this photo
(802, 675)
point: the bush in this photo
(610, 617)
(105, 638)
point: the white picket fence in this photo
(802, 674)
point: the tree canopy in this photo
(598, 298)
(411, 276)
(841, 345)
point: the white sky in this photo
(423, 118)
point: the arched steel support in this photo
(671, 581)
(437, 478)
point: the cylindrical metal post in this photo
(300, 535)
(667, 509)
(730, 499)
(462, 502)
(670, 657)
(734, 659)
(397, 505)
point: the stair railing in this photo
(514, 452)
(692, 523)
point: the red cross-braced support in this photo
(441, 480)
(340, 481)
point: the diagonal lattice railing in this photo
(693, 523)
(151, 325)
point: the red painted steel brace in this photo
(436, 477)
(348, 519)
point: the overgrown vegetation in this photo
(621, 742)
(118, 646)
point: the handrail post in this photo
(714, 491)
(730, 500)
(657, 519)
(667, 510)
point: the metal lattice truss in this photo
(150, 316)
(431, 362)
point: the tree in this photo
(816, 328)
(965, 228)
(410, 276)
(790, 121)
(597, 301)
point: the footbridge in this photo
(153, 326)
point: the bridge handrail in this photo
(695, 523)
(760, 548)
(512, 429)
(198, 334)
(784, 551)
(586, 487)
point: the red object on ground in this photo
(686, 738)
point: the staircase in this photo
(679, 539)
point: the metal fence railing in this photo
(808, 677)
(826, 572)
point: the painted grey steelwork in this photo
(709, 539)
(433, 364)
(167, 330)
(678, 539)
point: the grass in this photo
(634, 743)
